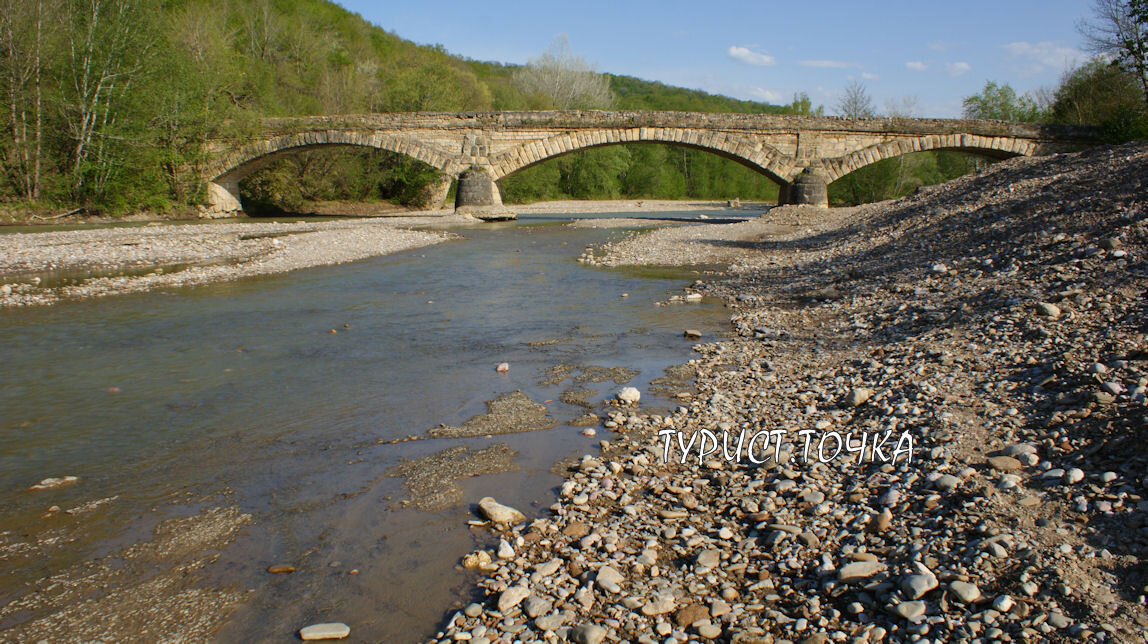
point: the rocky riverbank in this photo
(997, 322)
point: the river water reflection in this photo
(239, 393)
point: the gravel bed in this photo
(998, 322)
(108, 261)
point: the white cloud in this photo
(827, 64)
(751, 57)
(1045, 54)
(766, 95)
(939, 45)
(958, 68)
(916, 65)
(872, 77)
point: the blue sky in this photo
(935, 52)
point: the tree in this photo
(564, 80)
(1001, 102)
(1095, 93)
(803, 106)
(109, 48)
(22, 56)
(855, 103)
(1120, 30)
(906, 108)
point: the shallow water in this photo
(239, 393)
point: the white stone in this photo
(499, 513)
(325, 631)
(965, 592)
(504, 550)
(629, 395)
(1003, 603)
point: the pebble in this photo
(660, 604)
(281, 569)
(502, 367)
(1073, 476)
(1048, 310)
(505, 551)
(54, 482)
(857, 397)
(1004, 463)
(551, 622)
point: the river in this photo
(240, 393)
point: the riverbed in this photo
(278, 410)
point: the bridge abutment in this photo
(478, 196)
(222, 200)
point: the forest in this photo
(108, 103)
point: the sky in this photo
(931, 54)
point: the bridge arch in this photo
(242, 162)
(232, 167)
(995, 147)
(760, 157)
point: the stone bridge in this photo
(803, 154)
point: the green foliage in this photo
(1103, 94)
(332, 174)
(1001, 102)
(900, 176)
(636, 171)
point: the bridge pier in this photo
(808, 189)
(478, 196)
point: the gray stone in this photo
(965, 592)
(550, 622)
(910, 610)
(660, 604)
(535, 606)
(610, 579)
(858, 571)
(857, 397)
(709, 558)
(587, 634)
(915, 586)
(512, 597)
